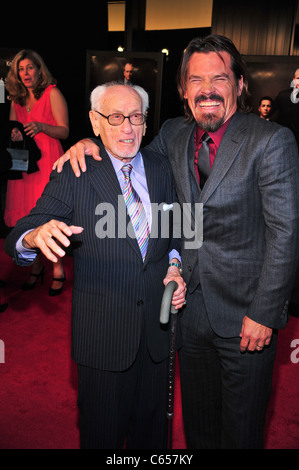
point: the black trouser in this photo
(124, 408)
(224, 392)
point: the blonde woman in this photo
(37, 103)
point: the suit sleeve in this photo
(279, 188)
(159, 143)
(56, 202)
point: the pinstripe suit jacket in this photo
(247, 261)
(116, 297)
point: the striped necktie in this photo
(136, 211)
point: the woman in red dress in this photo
(37, 103)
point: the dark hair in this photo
(213, 43)
(268, 98)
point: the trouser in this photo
(225, 393)
(124, 408)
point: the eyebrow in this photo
(135, 111)
(225, 75)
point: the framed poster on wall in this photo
(268, 75)
(145, 70)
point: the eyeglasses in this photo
(116, 119)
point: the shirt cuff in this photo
(27, 254)
(174, 254)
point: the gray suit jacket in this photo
(116, 297)
(247, 261)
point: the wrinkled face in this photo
(122, 141)
(265, 108)
(28, 73)
(211, 89)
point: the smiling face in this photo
(211, 89)
(122, 141)
(28, 73)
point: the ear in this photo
(240, 86)
(144, 130)
(94, 122)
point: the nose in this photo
(207, 86)
(126, 125)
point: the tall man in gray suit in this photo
(239, 280)
(117, 340)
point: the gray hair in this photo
(99, 91)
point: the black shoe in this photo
(53, 292)
(29, 286)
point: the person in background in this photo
(128, 72)
(285, 108)
(265, 105)
(117, 340)
(39, 105)
(245, 173)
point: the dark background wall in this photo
(62, 33)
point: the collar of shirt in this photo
(216, 137)
(140, 184)
(137, 163)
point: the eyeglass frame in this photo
(124, 117)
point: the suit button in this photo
(140, 303)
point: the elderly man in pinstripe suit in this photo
(239, 280)
(117, 340)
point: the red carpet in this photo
(38, 397)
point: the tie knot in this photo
(206, 138)
(126, 169)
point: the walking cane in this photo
(167, 308)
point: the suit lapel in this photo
(227, 152)
(104, 181)
(182, 162)
(156, 192)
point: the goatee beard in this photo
(210, 124)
